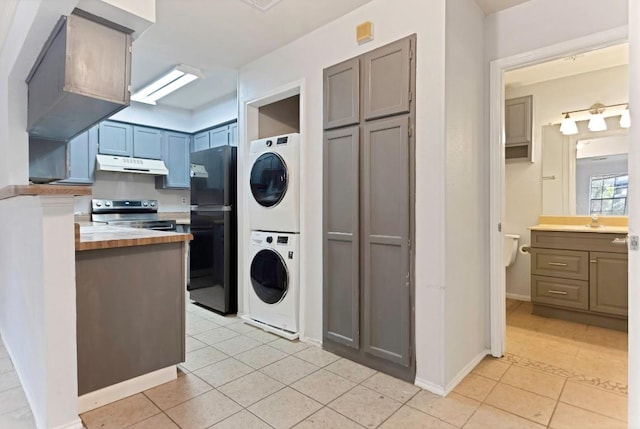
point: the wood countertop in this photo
(94, 237)
(19, 190)
(606, 229)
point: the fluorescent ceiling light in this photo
(175, 79)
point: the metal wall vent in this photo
(263, 5)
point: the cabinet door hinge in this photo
(410, 96)
(500, 227)
(410, 53)
(410, 131)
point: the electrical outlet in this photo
(184, 201)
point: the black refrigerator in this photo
(213, 254)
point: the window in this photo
(609, 194)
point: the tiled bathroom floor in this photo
(555, 374)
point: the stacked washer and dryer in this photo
(274, 218)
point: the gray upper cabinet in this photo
(219, 136)
(342, 94)
(116, 138)
(176, 157)
(341, 305)
(200, 141)
(82, 152)
(385, 237)
(387, 79)
(233, 134)
(147, 142)
(517, 119)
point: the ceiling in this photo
(220, 36)
(569, 66)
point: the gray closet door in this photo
(341, 296)
(342, 94)
(385, 241)
(387, 80)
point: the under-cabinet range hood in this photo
(124, 164)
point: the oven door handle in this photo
(164, 228)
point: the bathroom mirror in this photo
(586, 173)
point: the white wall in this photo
(634, 216)
(221, 110)
(466, 269)
(166, 117)
(523, 180)
(539, 23)
(305, 59)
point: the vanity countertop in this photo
(606, 224)
(581, 228)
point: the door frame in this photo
(498, 67)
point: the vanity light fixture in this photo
(568, 126)
(596, 116)
(178, 77)
(597, 122)
(625, 118)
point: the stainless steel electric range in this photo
(130, 213)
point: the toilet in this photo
(510, 248)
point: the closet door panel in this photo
(341, 307)
(385, 241)
(342, 94)
(387, 80)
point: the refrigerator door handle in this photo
(212, 209)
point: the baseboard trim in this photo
(121, 390)
(431, 387)
(466, 370)
(285, 334)
(76, 424)
(519, 297)
(311, 341)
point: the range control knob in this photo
(145, 204)
(107, 203)
(269, 239)
(98, 204)
(153, 203)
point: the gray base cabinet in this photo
(368, 174)
(130, 312)
(580, 276)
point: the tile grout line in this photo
(557, 402)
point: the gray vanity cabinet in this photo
(608, 283)
(368, 180)
(580, 276)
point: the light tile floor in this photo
(555, 374)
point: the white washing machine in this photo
(274, 182)
(274, 277)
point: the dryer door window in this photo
(269, 276)
(268, 179)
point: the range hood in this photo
(124, 164)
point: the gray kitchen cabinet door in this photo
(147, 142)
(385, 240)
(342, 94)
(219, 136)
(201, 141)
(608, 283)
(387, 79)
(82, 153)
(115, 139)
(176, 157)
(341, 306)
(518, 116)
(233, 134)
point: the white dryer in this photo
(274, 277)
(274, 182)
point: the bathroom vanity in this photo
(580, 273)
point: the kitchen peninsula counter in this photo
(130, 303)
(22, 190)
(96, 236)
